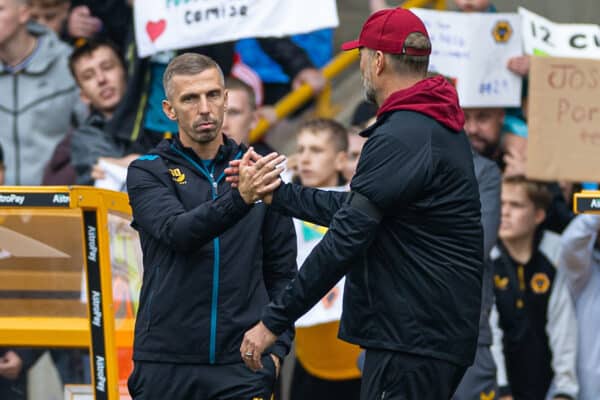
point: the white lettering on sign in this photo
(100, 374)
(12, 199)
(96, 309)
(92, 248)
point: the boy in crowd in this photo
(241, 115)
(535, 311)
(101, 76)
(580, 261)
(326, 367)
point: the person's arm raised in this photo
(309, 204)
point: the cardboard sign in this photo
(473, 49)
(564, 119)
(544, 37)
(176, 24)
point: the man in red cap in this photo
(407, 236)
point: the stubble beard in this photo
(368, 90)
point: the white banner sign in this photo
(329, 309)
(544, 37)
(473, 50)
(176, 24)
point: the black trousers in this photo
(161, 381)
(390, 375)
(309, 387)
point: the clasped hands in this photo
(256, 177)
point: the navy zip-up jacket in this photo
(211, 262)
(414, 271)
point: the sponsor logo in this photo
(540, 283)
(92, 248)
(178, 176)
(60, 199)
(12, 199)
(487, 396)
(96, 309)
(100, 374)
(502, 31)
(500, 283)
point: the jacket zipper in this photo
(216, 252)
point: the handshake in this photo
(256, 177)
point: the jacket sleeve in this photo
(490, 182)
(385, 173)
(577, 246)
(158, 211)
(279, 266)
(562, 334)
(291, 57)
(497, 349)
(308, 204)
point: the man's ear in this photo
(169, 110)
(540, 216)
(380, 62)
(341, 159)
(24, 14)
(255, 118)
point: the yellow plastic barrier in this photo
(70, 275)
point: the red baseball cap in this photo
(386, 31)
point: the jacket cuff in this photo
(274, 319)
(280, 350)
(238, 202)
(504, 391)
(279, 197)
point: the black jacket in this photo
(522, 298)
(414, 275)
(211, 262)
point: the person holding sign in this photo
(407, 236)
(212, 258)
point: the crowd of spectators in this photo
(74, 97)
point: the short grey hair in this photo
(405, 64)
(189, 64)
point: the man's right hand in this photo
(82, 24)
(257, 177)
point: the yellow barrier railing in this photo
(304, 93)
(436, 4)
(298, 97)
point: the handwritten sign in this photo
(176, 24)
(544, 37)
(564, 119)
(473, 49)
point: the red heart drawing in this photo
(155, 29)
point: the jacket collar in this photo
(49, 49)
(227, 151)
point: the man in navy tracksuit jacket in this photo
(408, 235)
(211, 261)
